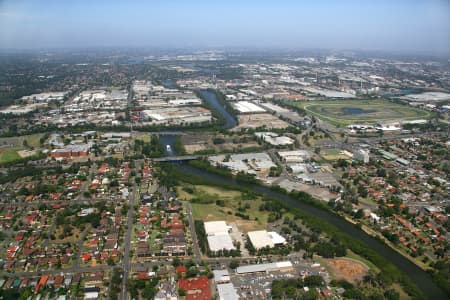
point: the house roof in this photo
(196, 288)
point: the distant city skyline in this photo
(400, 26)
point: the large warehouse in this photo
(269, 267)
(246, 107)
(262, 238)
(218, 236)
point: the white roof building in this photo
(262, 238)
(221, 276)
(227, 291)
(268, 267)
(218, 236)
(296, 156)
(361, 155)
(216, 228)
(247, 107)
(220, 242)
(274, 139)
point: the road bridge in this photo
(177, 158)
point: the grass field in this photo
(32, 140)
(145, 137)
(232, 200)
(333, 155)
(345, 112)
(366, 262)
(8, 155)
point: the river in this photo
(418, 276)
(230, 122)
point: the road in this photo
(195, 247)
(85, 184)
(70, 270)
(76, 261)
(127, 242)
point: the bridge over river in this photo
(177, 158)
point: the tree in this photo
(359, 214)
(110, 261)
(181, 292)
(176, 262)
(234, 264)
(392, 295)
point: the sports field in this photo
(9, 155)
(345, 112)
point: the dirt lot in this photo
(260, 120)
(26, 153)
(201, 142)
(347, 269)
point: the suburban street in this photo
(195, 247)
(127, 241)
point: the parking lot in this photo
(258, 285)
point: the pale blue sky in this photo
(395, 25)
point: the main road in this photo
(126, 265)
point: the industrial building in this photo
(227, 291)
(178, 115)
(249, 162)
(361, 155)
(262, 238)
(246, 107)
(274, 139)
(218, 236)
(71, 151)
(281, 266)
(295, 156)
(221, 276)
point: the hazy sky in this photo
(399, 25)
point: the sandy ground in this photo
(26, 153)
(316, 191)
(347, 269)
(194, 147)
(260, 120)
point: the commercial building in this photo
(44, 97)
(220, 242)
(227, 291)
(295, 156)
(262, 238)
(71, 151)
(281, 266)
(178, 115)
(249, 162)
(216, 228)
(274, 139)
(361, 155)
(218, 236)
(246, 107)
(221, 276)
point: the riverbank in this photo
(377, 235)
(394, 266)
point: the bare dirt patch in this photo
(347, 269)
(195, 147)
(26, 153)
(260, 120)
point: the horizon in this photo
(410, 27)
